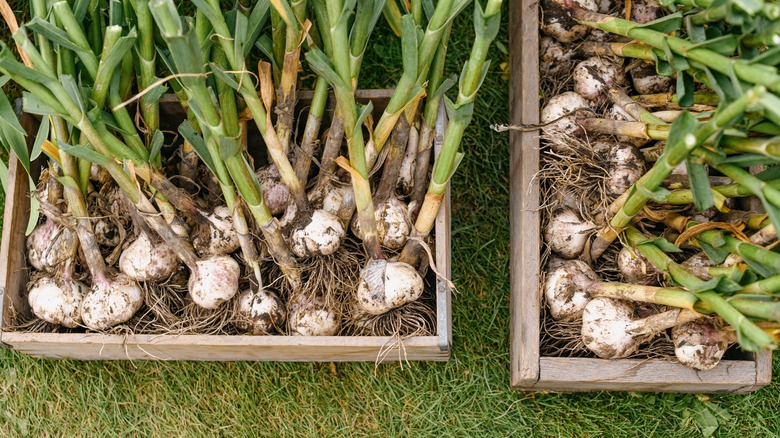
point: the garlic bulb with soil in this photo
(320, 235)
(275, 194)
(144, 260)
(106, 233)
(636, 269)
(625, 166)
(309, 316)
(610, 330)
(646, 81)
(386, 285)
(392, 223)
(567, 234)
(594, 76)
(57, 301)
(260, 312)
(559, 23)
(555, 58)
(222, 237)
(214, 282)
(699, 344)
(563, 289)
(559, 113)
(49, 246)
(645, 11)
(111, 302)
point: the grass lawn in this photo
(467, 396)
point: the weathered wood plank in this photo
(226, 348)
(581, 374)
(524, 194)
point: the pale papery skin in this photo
(554, 57)
(111, 302)
(566, 233)
(646, 81)
(223, 238)
(57, 301)
(214, 282)
(260, 312)
(275, 193)
(699, 344)
(47, 246)
(606, 328)
(556, 114)
(321, 236)
(106, 233)
(387, 285)
(558, 22)
(636, 269)
(310, 317)
(594, 76)
(625, 166)
(566, 299)
(392, 223)
(144, 260)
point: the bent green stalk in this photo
(460, 112)
(674, 154)
(187, 59)
(752, 339)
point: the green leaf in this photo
(257, 19)
(80, 8)
(84, 153)
(667, 24)
(321, 65)
(52, 33)
(3, 174)
(74, 91)
(700, 184)
(239, 38)
(685, 89)
(198, 144)
(664, 245)
(749, 6)
(155, 146)
(35, 208)
(409, 45)
(8, 115)
(364, 112)
(227, 78)
(229, 147)
(40, 137)
(747, 160)
(717, 255)
(725, 45)
(683, 125)
(658, 195)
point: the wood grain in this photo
(92, 346)
(524, 194)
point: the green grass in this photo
(467, 396)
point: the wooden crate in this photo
(529, 370)
(93, 346)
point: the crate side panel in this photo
(226, 348)
(524, 194)
(583, 374)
